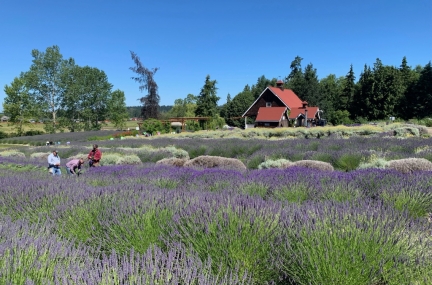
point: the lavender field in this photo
(133, 221)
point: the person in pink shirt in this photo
(74, 166)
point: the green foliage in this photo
(45, 80)
(348, 162)
(177, 152)
(3, 135)
(184, 107)
(19, 104)
(215, 122)
(117, 112)
(12, 153)
(254, 189)
(207, 99)
(375, 163)
(349, 249)
(150, 109)
(293, 193)
(152, 126)
(341, 117)
(234, 238)
(237, 106)
(417, 203)
(195, 152)
(406, 131)
(33, 133)
(139, 230)
(279, 163)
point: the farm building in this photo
(280, 107)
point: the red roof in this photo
(288, 97)
(311, 111)
(270, 114)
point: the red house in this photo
(280, 107)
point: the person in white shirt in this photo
(54, 163)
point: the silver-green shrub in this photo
(12, 153)
(110, 158)
(279, 163)
(376, 163)
(177, 152)
(173, 161)
(315, 164)
(131, 159)
(406, 131)
(40, 155)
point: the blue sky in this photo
(235, 42)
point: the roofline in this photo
(302, 114)
(268, 87)
(283, 114)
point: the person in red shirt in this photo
(94, 156)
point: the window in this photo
(266, 124)
(268, 104)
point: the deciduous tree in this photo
(44, 80)
(117, 112)
(18, 104)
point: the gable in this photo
(287, 96)
(281, 98)
(296, 112)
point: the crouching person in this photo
(74, 166)
(94, 156)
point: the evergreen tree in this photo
(145, 77)
(311, 92)
(360, 103)
(330, 89)
(347, 94)
(295, 80)
(261, 85)
(420, 101)
(207, 99)
(237, 106)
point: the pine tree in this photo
(207, 99)
(348, 91)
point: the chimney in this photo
(306, 116)
(280, 84)
(305, 104)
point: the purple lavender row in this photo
(31, 254)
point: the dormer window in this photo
(268, 104)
